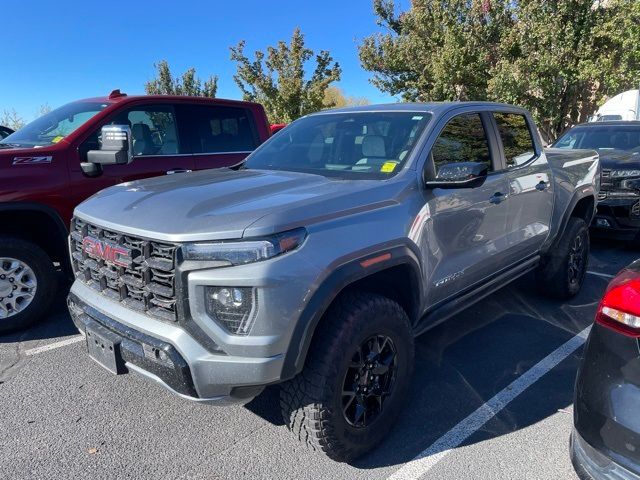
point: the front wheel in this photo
(27, 283)
(355, 379)
(562, 271)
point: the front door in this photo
(157, 150)
(464, 236)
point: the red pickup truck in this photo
(45, 172)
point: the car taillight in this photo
(620, 306)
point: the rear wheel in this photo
(562, 272)
(355, 379)
(27, 283)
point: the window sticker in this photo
(388, 167)
(56, 139)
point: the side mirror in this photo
(116, 149)
(459, 175)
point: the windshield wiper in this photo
(8, 145)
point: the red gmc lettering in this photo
(108, 252)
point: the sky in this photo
(57, 51)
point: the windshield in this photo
(55, 125)
(602, 137)
(353, 145)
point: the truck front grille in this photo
(143, 279)
(615, 187)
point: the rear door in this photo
(464, 237)
(157, 150)
(218, 136)
(530, 184)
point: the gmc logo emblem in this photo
(108, 252)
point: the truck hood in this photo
(619, 159)
(227, 204)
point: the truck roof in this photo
(435, 107)
(624, 123)
(117, 97)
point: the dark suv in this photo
(46, 172)
(618, 144)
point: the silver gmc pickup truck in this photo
(316, 262)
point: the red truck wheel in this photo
(27, 283)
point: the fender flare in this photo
(61, 231)
(577, 196)
(339, 279)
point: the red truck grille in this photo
(145, 282)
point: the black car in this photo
(618, 144)
(5, 132)
(606, 438)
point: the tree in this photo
(558, 59)
(277, 78)
(11, 119)
(186, 84)
(334, 97)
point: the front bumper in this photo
(193, 372)
(617, 217)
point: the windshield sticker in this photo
(417, 117)
(56, 139)
(31, 160)
(388, 167)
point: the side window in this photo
(153, 131)
(516, 138)
(221, 129)
(463, 139)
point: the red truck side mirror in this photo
(116, 149)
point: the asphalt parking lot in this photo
(491, 398)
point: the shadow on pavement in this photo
(461, 363)
(465, 361)
(56, 324)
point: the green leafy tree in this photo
(11, 119)
(558, 59)
(186, 84)
(334, 97)
(277, 78)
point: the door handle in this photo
(178, 170)
(542, 186)
(497, 198)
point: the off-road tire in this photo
(42, 266)
(553, 275)
(312, 401)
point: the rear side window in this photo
(516, 138)
(220, 129)
(463, 139)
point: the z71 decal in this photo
(31, 160)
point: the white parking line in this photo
(53, 346)
(605, 275)
(442, 447)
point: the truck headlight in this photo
(245, 251)
(233, 308)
